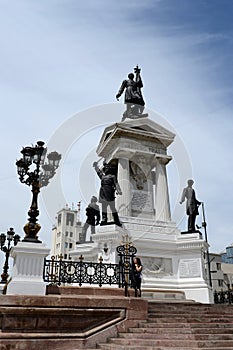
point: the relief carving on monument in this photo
(157, 267)
(140, 169)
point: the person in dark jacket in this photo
(137, 276)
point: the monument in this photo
(137, 147)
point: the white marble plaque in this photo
(142, 200)
(189, 268)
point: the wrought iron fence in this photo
(223, 297)
(79, 272)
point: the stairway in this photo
(179, 326)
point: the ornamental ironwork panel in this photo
(79, 272)
(126, 252)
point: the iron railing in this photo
(79, 272)
(223, 297)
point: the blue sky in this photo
(61, 57)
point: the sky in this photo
(62, 63)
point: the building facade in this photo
(221, 268)
(65, 232)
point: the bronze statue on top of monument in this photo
(133, 96)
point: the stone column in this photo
(124, 201)
(162, 205)
(27, 274)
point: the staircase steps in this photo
(178, 326)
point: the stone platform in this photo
(67, 321)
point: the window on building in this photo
(70, 245)
(59, 219)
(218, 266)
(220, 283)
(58, 245)
(67, 233)
(70, 219)
(66, 244)
(58, 234)
(65, 256)
(71, 234)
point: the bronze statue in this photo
(133, 96)
(93, 219)
(192, 205)
(109, 186)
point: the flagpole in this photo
(204, 225)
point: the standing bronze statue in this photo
(133, 96)
(109, 186)
(192, 205)
(93, 219)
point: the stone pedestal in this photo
(2, 287)
(27, 273)
(106, 240)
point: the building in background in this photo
(227, 256)
(66, 231)
(217, 274)
(221, 266)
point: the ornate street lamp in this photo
(10, 237)
(30, 173)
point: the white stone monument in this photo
(172, 261)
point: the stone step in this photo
(153, 342)
(195, 308)
(205, 325)
(164, 324)
(162, 330)
(196, 312)
(183, 330)
(147, 336)
(190, 313)
(181, 336)
(191, 319)
(171, 342)
(135, 347)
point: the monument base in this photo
(105, 241)
(27, 273)
(171, 261)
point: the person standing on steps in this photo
(137, 276)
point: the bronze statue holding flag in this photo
(133, 96)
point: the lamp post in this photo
(34, 172)
(10, 237)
